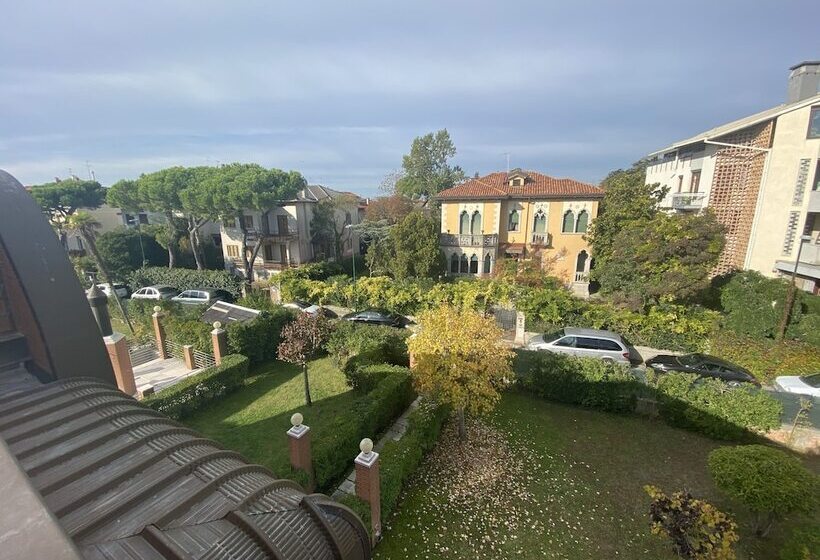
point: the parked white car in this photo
(155, 292)
(120, 289)
(799, 384)
(202, 296)
(584, 343)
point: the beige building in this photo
(287, 236)
(520, 214)
(760, 175)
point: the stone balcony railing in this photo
(688, 201)
(543, 239)
(467, 240)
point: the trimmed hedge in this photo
(754, 305)
(259, 339)
(580, 381)
(711, 407)
(354, 346)
(400, 459)
(187, 279)
(765, 358)
(370, 416)
(803, 543)
(192, 393)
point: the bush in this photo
(195, 392)
(765, 358)
(712, 407)
(187, 279)
(258, 299)
(372, 415)
(259, 339)
(122, 250)
(803, 544)
(373, 345)
(753, 304)
(770, 482)
(581, 381)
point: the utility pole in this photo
(790, 294)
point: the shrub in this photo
(122, 250)
(765, 358)
(712, 407)
(768, 481)
(580, 381)
(257, 299)
(382, 344)
(753, 304)
(259, 339)
(197, 391)
(187, 279)
(697, 529)
(803, 544)
(370, 417)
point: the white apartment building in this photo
(760, 175)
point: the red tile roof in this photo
(537, 185)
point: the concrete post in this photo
(188, 354)
(520, 324)
(219, 339)
(275, 294)
(367, 484)
(117, 348)
(159, 332)
(299, 443)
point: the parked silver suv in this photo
(584, 343)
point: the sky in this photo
(339, 89)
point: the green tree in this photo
(84, 225)
(662, 259)
(770, 482)
(328, 227)
(123, 249)
(376, 237)
(426, 167)
(240, 187)
(302, 340)
(754, 305)
(392, 209)
(62, 199)
(627, 199)
(460, 360)
(414, 247)
(198, 206)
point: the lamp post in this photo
(349, 227)
(789, 303)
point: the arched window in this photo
(475, 223)
(540, 223)
(512, 224)
(454, 264)
(464, 266)
(581, 262)
(474, 265)
(583, 222)
(464, 223)
(568, 225)
(488, 262)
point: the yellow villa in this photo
(519, 215)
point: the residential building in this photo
(519, 215)
(111, 218)
(287, 234)
(760, 175)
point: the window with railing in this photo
(512, 222)
(232, 250)
(540, 222)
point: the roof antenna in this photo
(508, 161)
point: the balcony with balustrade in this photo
(687, 201)
(467, 240)
(541, 239)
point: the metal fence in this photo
(505, 317)
(174, 350)
(143, 353)
(203, 360)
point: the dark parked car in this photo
(377, 317)
(703, 365)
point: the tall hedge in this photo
(259, 339)
(193, 393)
(753, 304)
(764, 357)
(187, 279)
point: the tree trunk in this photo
(194, 239)
(171, 239)
(763, 524)
(462, 425)
(787, 311)
(307, 385)
(92, 248)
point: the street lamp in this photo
(787, 308)
(352, 250)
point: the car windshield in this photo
(812, 380)
(690, 360)
(552, 337)
(166, 289)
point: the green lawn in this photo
(254, 420)
(544, 480)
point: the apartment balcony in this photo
(688, 201)
(541, 239)
(814, 201)
(467, 240)
(275, 235)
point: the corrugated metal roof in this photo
(228, 313)
(125, 482)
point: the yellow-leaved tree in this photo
(460, 360)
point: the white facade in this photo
(111, 218)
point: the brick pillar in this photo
(219, 339)
(159, 332)
(299, 443)
(117, 348)
(188, 354)
(367, 484)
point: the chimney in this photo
(804, 81)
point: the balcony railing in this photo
(467, 240)
(580, 277)
(688, 201)
(544, 239)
